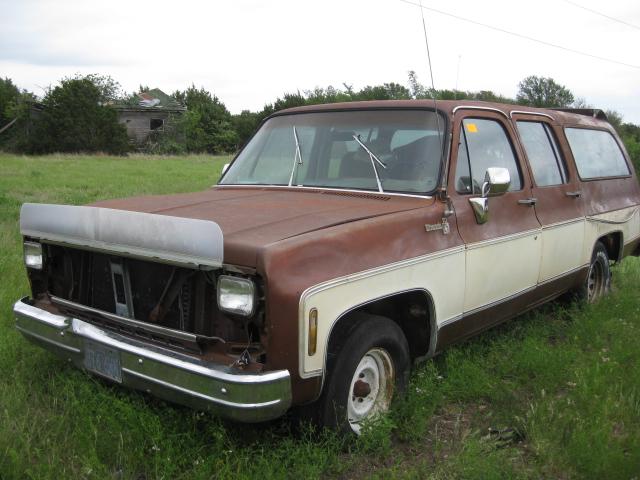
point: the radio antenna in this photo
(433, 87)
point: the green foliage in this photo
(543, 92)
(76, 119)
(630, 134)
(9, 97)
(245, 124)
(206, 125)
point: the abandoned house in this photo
(149, 113)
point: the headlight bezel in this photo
(32, 251)
(244, 288)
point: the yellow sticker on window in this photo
(471, 127)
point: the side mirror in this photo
(496, 182)
(225, 167)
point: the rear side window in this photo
(543, 154)
(596, 152)
(483, 144)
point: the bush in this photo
(75, 118)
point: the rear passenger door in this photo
(559, 205)
(502, 255)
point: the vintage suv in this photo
(342, 244)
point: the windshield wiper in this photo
(297, 157)
(373, 159)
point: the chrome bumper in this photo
(166, 374)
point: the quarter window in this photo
(596, 152)
(543, 153)
(483, 144)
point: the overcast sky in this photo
(249, 52)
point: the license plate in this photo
(103, 360)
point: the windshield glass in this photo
(322, 150)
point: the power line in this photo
(602, 14)
(519, 35)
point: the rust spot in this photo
(361, 389)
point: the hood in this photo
(251, 218)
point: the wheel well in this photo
(613, 243)
(412, 311)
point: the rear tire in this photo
(598, 282)
(366, 370)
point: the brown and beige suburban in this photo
(342, 244)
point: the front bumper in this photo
(166, 374)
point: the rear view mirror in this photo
(225, 167)
(496, 182)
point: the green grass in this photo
(553, 394)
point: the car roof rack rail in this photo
(589, 112)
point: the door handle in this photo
(528, 201)
(576, 194)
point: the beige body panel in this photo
(562, 248)
(501, 267)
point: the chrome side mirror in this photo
(496, 182)
(225, 167)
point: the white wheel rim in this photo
(371, 388)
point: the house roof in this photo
(154, 99)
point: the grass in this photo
(553, 394)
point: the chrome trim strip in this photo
(499, 301)
(149, 327)
(193, 393)
(510, 297)
(320, 189)
(187, 241)
(449, 320)
(505, 238)
(474, 107)
(48, 340)
(373, 271)
(563, 223)
(522, 112)
(593, 218)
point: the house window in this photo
(156, 123)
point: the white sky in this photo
(249, 52)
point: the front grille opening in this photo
(165, 295)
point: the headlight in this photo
(33, 255)
(236, 295)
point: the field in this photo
(552, 394)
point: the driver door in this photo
(502, 255)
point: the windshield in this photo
(326, 150)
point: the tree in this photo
(9, 97)
(543, 92)
(244, 125)
(207, 124)
(76, 119)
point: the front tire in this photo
(366, 370)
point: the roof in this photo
(154, 99)
(585, 117)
